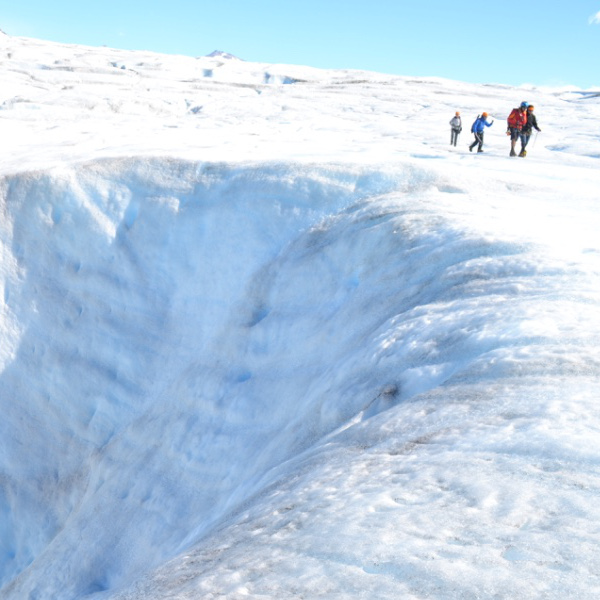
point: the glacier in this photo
(265, 334)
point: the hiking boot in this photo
(523, 153)
(479, 150)
(512, 152)
(470, 148)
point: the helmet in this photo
(524, 104)
(530, 107)
(484, 114)
(457, 113)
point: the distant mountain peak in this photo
(221, 54)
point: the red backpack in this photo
(517, 118)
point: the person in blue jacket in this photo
(477, 130)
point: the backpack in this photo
(516, 119)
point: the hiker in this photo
(516, 121)
(477, 130)
(528, 129)
(456, 128)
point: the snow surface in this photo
(265, 334)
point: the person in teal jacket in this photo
(477, 130)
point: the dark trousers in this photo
(454, 136)
(515, 134)
(478, 140)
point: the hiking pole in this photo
(535, 139)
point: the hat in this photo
(484, 114)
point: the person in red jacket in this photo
(516, 121)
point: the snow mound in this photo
(221, 54)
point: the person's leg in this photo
(514, 136)
(524, 139)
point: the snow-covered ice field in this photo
(265, 334)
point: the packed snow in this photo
(265, 334)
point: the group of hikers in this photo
(521, 123)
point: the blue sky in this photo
(506, 42)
